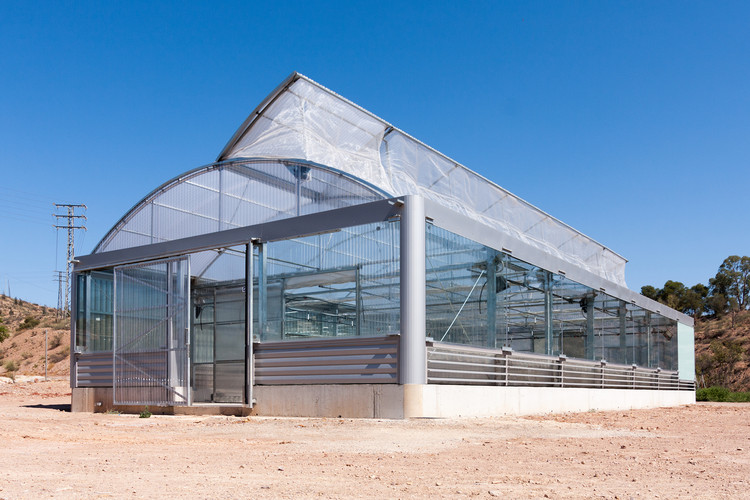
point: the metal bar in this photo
(412, 292)
(249, 325)
(330, 220)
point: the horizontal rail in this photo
(364, 360)
(451, 364)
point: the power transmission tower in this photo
(60, 278)
(70, 217)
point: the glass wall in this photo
(94, 311)
(338, 284)
(484, 297)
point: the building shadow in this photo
(63, 407)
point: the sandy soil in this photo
(700, 451)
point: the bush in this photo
(145, 413)
(3, 333)
(721, 395)
(58, 356)
(28, 322)
(56, 341)
(739, 397)
(11, 367)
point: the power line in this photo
(70, 217)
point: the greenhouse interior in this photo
(328, 263)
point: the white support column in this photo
(412, 358)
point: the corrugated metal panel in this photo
(366, 360)
(94, 369)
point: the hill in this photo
(722, 345)
(722, 348)
(25, 324)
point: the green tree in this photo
(694, 300)
(717, 304)
(673, 294)
(650, 292)
(733, 280)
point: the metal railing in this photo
(452, 364)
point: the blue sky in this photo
(630, 121)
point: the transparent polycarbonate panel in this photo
(339, 284)
(234, 195)
(151, 334)
(686, 351)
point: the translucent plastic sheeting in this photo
(304, 120)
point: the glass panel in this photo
(480, 296)
(94, 315)
(219, 326)
(339, 284)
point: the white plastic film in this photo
(309, 122)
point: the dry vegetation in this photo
(25, 324)
(722, 351)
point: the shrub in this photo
(3, 333)
(10, 366)
(28, 322)
(145, 413)
(56, 341)
(721, 394)
(60, 355)
(739, 397)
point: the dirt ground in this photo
(698, 451)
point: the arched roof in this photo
(235, 193)
(302, 127)
(303, 119)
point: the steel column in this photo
(413, 295)
(249, 324)
(491, 298)
(549, 336)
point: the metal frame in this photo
(465, 365)
(304, 225)
(187, 396)
(414, 211)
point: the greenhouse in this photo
(329, 264)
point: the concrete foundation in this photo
(404, 401)
(479, 401)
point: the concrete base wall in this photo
(348, 401)
(479, 401)
(404, 401)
